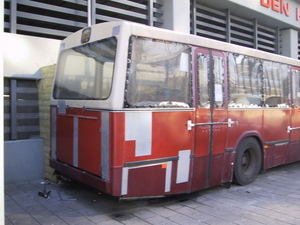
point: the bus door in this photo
(211, 166)
(294, 128)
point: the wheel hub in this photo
(244, 161)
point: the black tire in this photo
(247, 161)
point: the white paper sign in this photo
(218, 93)
(184, 62)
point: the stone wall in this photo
(44, 89)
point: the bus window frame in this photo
(164, 103)
(60, 73)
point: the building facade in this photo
(269, 25)
(33, 30)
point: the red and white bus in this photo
(138, 111)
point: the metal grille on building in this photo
(58, 19)
(21, 109)
(225, 27)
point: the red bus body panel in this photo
(146, 173)
(134, 152)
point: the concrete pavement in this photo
(274, 198)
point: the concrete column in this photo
(176, 15)
(290, 43)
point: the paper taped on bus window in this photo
(184, 62)
(218, 93)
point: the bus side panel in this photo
(154, 184)
(181, 187)
(219, 175)
(116, 178)
(165, 136)
(156, 180)
(276, 136)
(116, 150)
(217, 168)
(170, 133)
(64, 139)
(202, 145)
(199, 173)
(117, 137)
(249, 121)
(228, 168)
(76, 146)
(78, 139)
(158, 148)
(294, 151)
(275, 125)
(89, 156)
(218, 161)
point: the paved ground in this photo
(274, 198)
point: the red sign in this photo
(280, 6)
(277, 5)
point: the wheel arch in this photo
(248, 134)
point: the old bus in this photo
(138, 111)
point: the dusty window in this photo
(276, 85)
(296, 88)
(158, 74)
(85, 72)
(245, 84)
(203, 80)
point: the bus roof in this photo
(116, 28)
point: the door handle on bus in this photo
(190, 125)
(289, 129)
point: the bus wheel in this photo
(247, 161)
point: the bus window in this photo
(244, 81)
(203, 73)
(203, 79)
(85, 72)
(219, 80)
(158, 74)
(296, 88)
(276, 87)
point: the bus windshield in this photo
(158, 74)
(85, 72)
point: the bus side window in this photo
(219, 81)
(276, 85)
(244, 76)
(158, 75)
(296, 88)
(203, 82)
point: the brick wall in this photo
(44, 90)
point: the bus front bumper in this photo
(81, 176)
